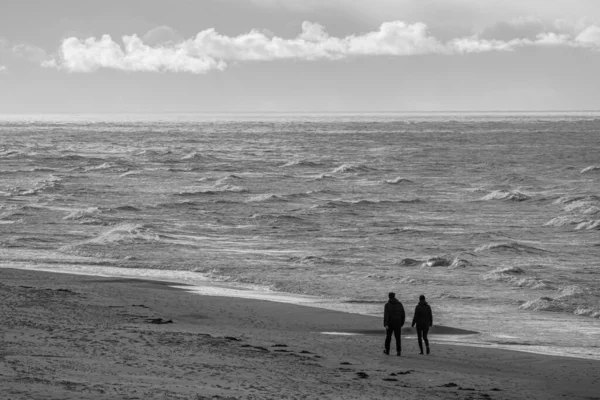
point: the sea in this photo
(494, 217)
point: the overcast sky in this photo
(298, 55)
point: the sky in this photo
(79, 56)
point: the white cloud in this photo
(3, 69)
(91, 54)
(209, 50)
(589, 36)
(162, 35)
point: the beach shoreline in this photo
(199, 284)
(87, 337)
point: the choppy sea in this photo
(494, 217)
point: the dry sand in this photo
(81, 337)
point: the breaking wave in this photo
(590, 169)
(81, 214)
(510, 246)
(265, 197)
(433, 262)
(42, 186)
(397, 181)
(506, 195)
(588, 225)
(301, 163)
(350, 168)
(515, 276)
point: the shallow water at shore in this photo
(493, 217)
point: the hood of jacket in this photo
(393, 300)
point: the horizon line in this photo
(307, 112)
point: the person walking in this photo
(423, 319)
(393, 320)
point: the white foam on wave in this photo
(397, 181)
(506, 195)
(588, 225)
(81, 214)
(350, 168)
(510, 246)
(590, 169)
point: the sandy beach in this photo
(83, 337)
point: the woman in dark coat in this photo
(423, 319)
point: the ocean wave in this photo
(228, 179)
(570, 291)
(587, 207)
(99, 167)
(506, 195)
(321, 177)
(265, 198)
(272, 219)
(42, 169)
(397, 181)
(126, 233)
(351, 168)
(10, 153)
(125, 208)
(153, 153)
(514, 276)
(445, 262)
(367, 203)
(588, 225)
(456, 296)
(510, 246)
(572, 300)
(51, 183)
(177, 204)
(316, 260)
(563, 221)
(130, 173)
(301, 163)
(194, 156)
(544, 304)
(82, 214)
(212, 190)
(574, 198)
(410, 262)
(590, 169)
(587, 312)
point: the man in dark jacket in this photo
(393, 319)
(423, 319)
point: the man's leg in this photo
(397, 332)
(425, 331)
(388, 339)
(420, 338)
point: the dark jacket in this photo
(393, 314)
(423, 317)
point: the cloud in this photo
(521, 28)
(590, 36)
(3, 69)
(162, 50)
(91, 54)
(30, 53)
(162, 35)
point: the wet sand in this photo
(83, 337)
